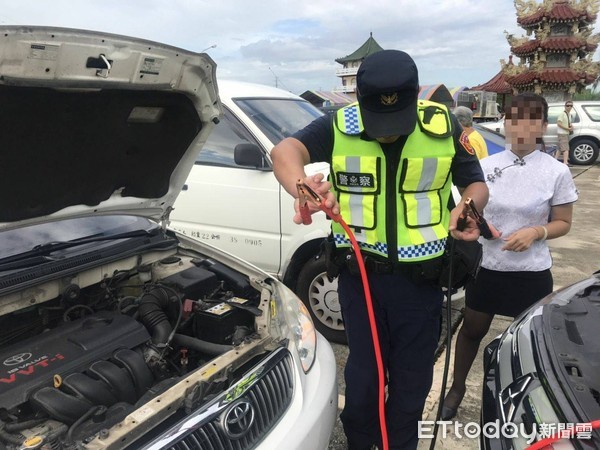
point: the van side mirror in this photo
(250, 155)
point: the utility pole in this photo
(276, 77)
(279, 82)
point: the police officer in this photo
(393, 159)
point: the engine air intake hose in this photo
(153, 316)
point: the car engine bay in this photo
(114, 339)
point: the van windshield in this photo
(278, 118)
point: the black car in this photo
(542, 375)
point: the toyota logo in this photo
(238, 419)
(17, 359)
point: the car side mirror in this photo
(249, 155)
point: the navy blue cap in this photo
(387, 90)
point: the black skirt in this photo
(507, 293)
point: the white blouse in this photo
(522, 192)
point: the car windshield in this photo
(278, 118)
(14, 242)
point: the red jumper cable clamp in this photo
(303, 202)
(306, 194)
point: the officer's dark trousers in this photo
(408, 324)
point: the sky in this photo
(294, 44)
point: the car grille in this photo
(268, 395)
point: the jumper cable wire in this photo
(306, 194)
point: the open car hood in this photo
(96, 123)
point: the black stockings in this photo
(474, 328)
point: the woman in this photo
(531, 201)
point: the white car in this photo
(584, 143)
(495, 125)
(232, 199)
(117, 332)
(585, 140)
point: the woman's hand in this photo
(520, 240)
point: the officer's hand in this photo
(470, 232)
(323, 188)
(464, 227)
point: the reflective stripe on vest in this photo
(422, 188)
(356, 179)
(352, 123)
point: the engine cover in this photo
(70, 347)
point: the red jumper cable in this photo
(306, 194)
(565, 434)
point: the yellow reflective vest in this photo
(420, 188)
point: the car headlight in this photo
(291, 318)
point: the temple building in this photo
(351, 63)
(556, 56)
(346, 93)
(499, 85)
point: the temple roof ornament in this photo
(587, 66)
(526, 8)
(512, 70)
(530, 13)
(557, 44)
(515, 42)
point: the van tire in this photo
(583, 151)
(318, 292)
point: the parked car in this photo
(496, 125)
(585, 140)
(233, 200)
(117, 332)
(494, 141)
(542, 374)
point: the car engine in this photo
(74, 365)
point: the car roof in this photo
(229, 89)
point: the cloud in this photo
(295, 44)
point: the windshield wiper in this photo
(39, 253)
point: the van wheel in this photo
(319, 293)
(583, 151)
